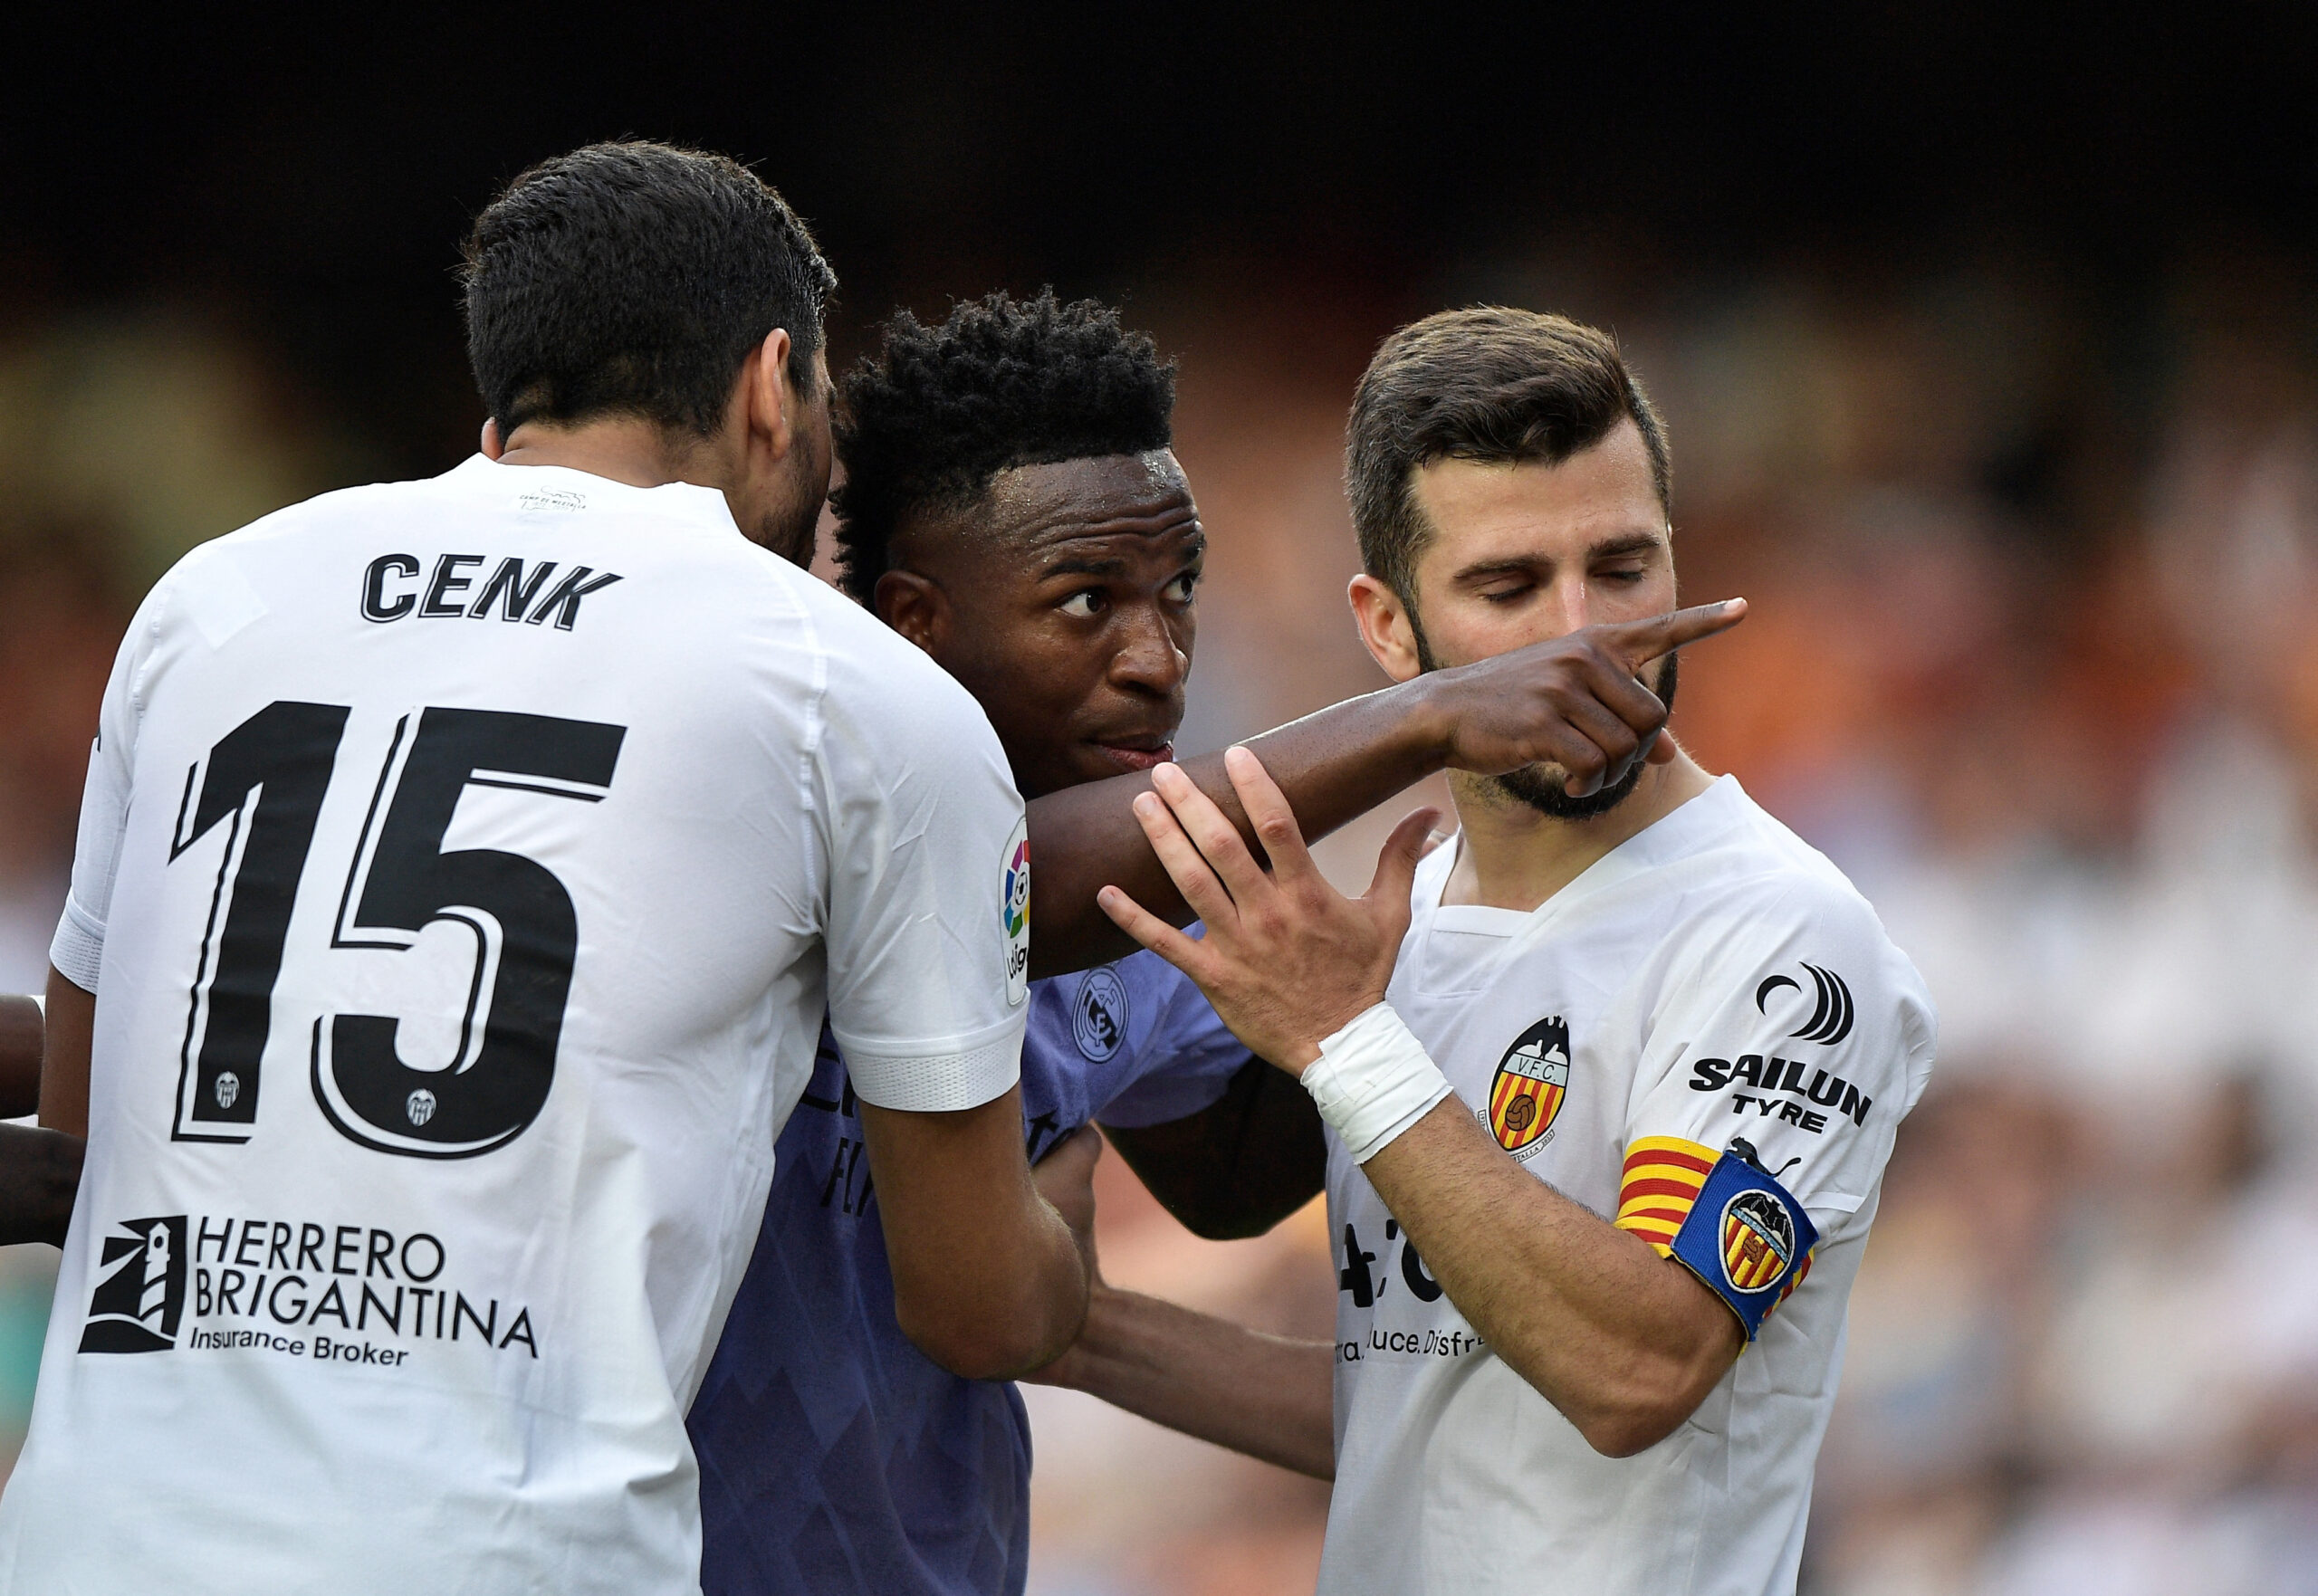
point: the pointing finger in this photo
(1640, 642)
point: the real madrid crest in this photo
(1532, 1079)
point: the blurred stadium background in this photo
(1989, 343)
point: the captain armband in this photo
(1727, 1219)
(1373, 1081)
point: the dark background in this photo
(312, 175)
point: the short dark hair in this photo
(634, 278)
(938, 412)
(1486, 384)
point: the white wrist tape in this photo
(40, 1003)
(1373, 1081)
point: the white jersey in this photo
(466, 869)
(1713, 976)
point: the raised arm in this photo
(1625, 1343)
(1572, 700)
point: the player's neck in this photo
(1510, 857)
(620, 448)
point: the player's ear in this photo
(915, 606)
(773, 408)
(492, 445)
(1385, 627)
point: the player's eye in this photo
(1625, 575)
(1508, 595)
(1083, 605)
(1179, 591)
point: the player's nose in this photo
(1568, 607)
(1150, 658)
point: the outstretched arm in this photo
(1572, 701)
(1267, 1396)
(1623, 1342)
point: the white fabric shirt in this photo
(461, 930)
(1678, 968)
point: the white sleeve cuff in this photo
(78, 950)
(1373, 1080)
(939, 1083)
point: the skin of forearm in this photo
(40, 1173)
(1334, 766)
(21, 1036)
(64, 1060)
(1265, 1395)
(1625, 1343)
(1241, 1165)
(987, 1280)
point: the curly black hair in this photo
(938, 412)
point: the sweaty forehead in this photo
(1036, 506)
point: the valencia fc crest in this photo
(1757, 1241)
(1532, 1079)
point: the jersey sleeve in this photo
(928, 894)
(78, 948)
(1792, 1026)
(1188, 1057)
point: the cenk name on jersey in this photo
(515, 591)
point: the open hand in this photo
(1288, 960)
(1571, 700)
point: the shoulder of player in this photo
(871, 665)
(1772, 907)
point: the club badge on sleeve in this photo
(1746, 1237)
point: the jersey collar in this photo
(1680, 831)
(685, 502)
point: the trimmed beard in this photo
(1542, 785)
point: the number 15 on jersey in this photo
(264, 782)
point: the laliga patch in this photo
(1746, 1238)
(1014, 912)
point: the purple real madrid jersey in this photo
(834, 1455)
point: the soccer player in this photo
(465, 868)
(38, 1169)
(1011, 506)
(1610, 1081)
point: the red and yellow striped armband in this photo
(1660, 1183)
